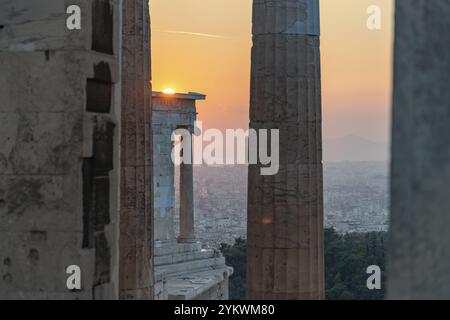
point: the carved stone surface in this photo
(58, 157)
(136, 214)
(419, 246)
(285, 211)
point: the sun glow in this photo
(168, 91)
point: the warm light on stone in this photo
(285, 258)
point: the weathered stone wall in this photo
(419, 246)
(285, 211)
(59, 155)
(136, 197)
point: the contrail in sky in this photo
(197, 34)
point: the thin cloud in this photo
(195, 34)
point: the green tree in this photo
(347, 257)
(236, 257)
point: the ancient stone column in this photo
(187, 234)
(136, 217)
(419, 246)
(285, 211)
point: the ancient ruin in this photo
(87, 183)
(75, 131)
(285, 211)
(76, 163)
(183, 270)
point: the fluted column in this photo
(136, 240)
(419, 246)
(285, 211)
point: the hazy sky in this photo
(204, 46)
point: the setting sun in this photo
(168, 91)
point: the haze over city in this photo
(204, 46)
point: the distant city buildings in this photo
(356, 196)
(356, 200)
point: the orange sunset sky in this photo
(204, 46)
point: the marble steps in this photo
(194, 285)
(190, 267)
(183, 257)
(174, 248)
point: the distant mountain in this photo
(354, 148)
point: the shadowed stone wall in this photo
(59, 155)
(419, 246)
(285, 211)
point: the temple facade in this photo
(183, 270)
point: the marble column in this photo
(419, 245)
(187, 233)
(285, 258)
(136, 216)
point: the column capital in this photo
(289, 17)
